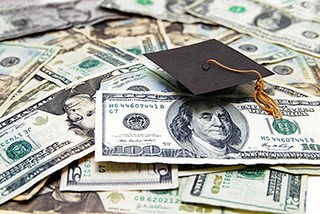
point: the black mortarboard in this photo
(186, 65)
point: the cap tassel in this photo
(260, 97)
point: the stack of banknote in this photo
(88, 124)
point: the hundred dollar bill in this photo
(19, 63)
(254, 188)
(261, 51)
(160, 127)
(171, 10)
(88, 175)
(261, 21)
(309, 10)
(86, 59)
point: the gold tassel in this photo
(260, 97)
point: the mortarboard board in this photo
(188, 66)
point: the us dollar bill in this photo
(191, 169)
(86, 59)
(206, 30)
(260, 51)
(154, 201)
(38, 90)
(254, 189)
(308, 10)
(39, 139)
(50, 133)
(86, 12)
(19, 63)
(135, 27)
(145, 76)
(181, 34)
(18, 22)
(35, 18)
(261, 21)
(27, 3)
(148, 127)
(142, 44)
(271, 87)
(87, 175)
(161, 9)
(301, 72)
(300, 169)
(67, 39)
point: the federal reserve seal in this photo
(9, 61)
(136, 121)
(285, 127)
(18, 149)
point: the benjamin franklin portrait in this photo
(207, 127)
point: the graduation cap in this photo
(189, 66)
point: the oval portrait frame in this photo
(236, 116)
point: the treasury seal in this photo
(18, 149)
(251, 173)
(89, 63)
(285, 127)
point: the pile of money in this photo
(88, 124)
